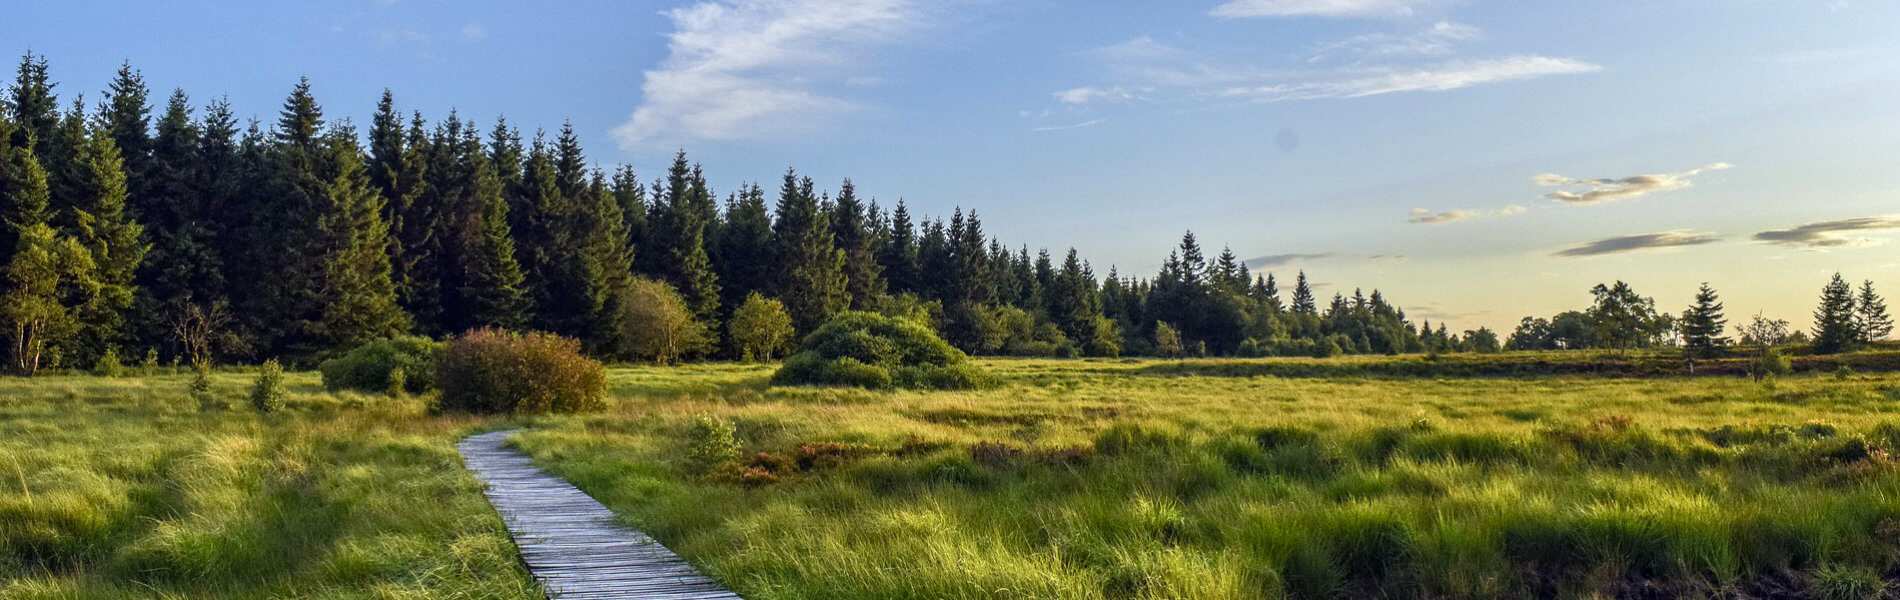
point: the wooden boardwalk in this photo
(571, 542)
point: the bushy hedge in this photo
(495, 371)
(874, 351)
(372, 366)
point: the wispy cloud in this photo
(750, 68)
(1384, 64)
(1606, 190)
(1828, 234)
(1085, 95)
(1423, 216)
(1090, 123)
(1281, 260)
(474, 32)
(1238, 9)
(1632, 243)
(1441, 38)
(1358, 83)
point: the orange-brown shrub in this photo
(497, 371)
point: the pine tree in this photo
(853, 226)
(745, 260)
(126, 117)
(33, 106)
(677, 232)
(606, 258)
(359, 301)
(1834, 329)
(1303, 296)
(546, 238)
(494, 288)
(898, 256)
(116, 244)
(183, 266)
(1870, 315)
(1702, 325)
(810, 279)
(24, 195)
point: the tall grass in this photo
(133, 488)
(1095, 480)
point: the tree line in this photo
(190, 235)
(1619, 319)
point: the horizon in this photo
(1441, 152)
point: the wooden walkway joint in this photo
(571, 542)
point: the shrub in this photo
(200, 387)
(374, 366)
(267, 393)
(109, 365)
(1770, 363)
(655, 324)
(760, 328)
(495, 371)
(874, 351)
(712, 445)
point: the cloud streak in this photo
(1281, 260)
(1360, 83)
(1241, 9)
(1426, 217)
(1597, 191)
(1162, 72)
(1828, 234)
(1633, 243)
(1090, 123)
(741, 69)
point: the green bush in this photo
(267, 393)
(878, 352)
(496, 371)
(372, 367)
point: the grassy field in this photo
(1092, 480)
(126, 488)
(1073, 479)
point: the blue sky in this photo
(1478, 160)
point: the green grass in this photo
(1098, 479)
(1071, 479)
(126, 488)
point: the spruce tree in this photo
(1303, 296)
(358, 299)
(853, 227)
(546, 237)
(677, 232)
(745, 260)
(1702, 325)
(607, 259)
(183, 267)
(1870, 315)
(34, 108)
(116, 244)
(494, 288)
(126, 116)
(24, 195)
(1834, 329)
(898, 256)
(811, 279)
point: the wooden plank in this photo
(573, 545)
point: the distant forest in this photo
(188, 234)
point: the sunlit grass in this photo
(1250, 487)
(127, 488)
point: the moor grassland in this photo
(1069, 479)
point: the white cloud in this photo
(1440, 39)
(1085, 95)
(750, 68)
(1828, 234)
(1237, 9)
(1634, 186)
(1422, 216)
(473, 32)
(1643, 241)
(1449, 76)
(1090, 123)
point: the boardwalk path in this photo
(570, 541)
